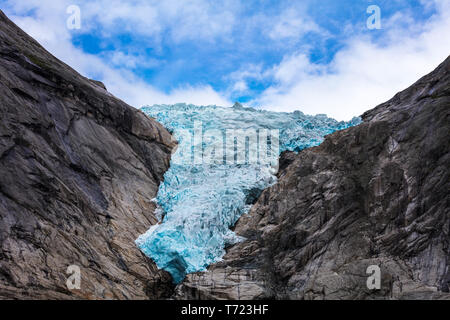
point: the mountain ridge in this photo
(373, 194)
(79, 168)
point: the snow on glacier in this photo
(200, 200)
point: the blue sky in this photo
(314, 56)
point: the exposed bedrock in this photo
(374, 194)
(79, 167)
(78, 170)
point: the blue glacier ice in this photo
(225, 157)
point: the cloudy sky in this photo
(309, 55)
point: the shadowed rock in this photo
(78, 171)
(374, 194)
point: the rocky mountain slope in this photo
(78, 168)
(374, 194)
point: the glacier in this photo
(224, 159)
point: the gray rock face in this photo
(78, 171)
(375, 194)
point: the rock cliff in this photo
(78, 171)
(79, 168)
(375, 194)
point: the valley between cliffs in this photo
(79, 168)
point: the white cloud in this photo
(240, 87)
(359, 77)
(131, 61)
(199, 20)
(45, 27)
(238, 79)
(292, 23)
(362, 75)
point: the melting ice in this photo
(225, 158)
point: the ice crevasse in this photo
(224, 159)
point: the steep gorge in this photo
(79, 167)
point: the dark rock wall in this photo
(78, 168)
(375, 194)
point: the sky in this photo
(319, 57)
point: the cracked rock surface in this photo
(78, 170)
(374, 194)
